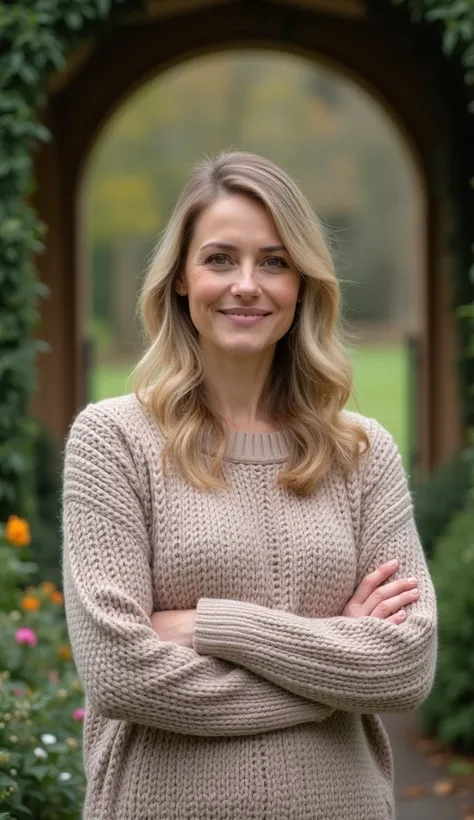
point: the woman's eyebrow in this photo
(219, 245)
(227, 247)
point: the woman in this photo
(245, 587)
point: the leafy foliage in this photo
(440, 497)
(455, 21)
(449, 711)
(37, 36)
(46, 525)
(457, 17)
(41, 697)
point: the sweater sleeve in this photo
(362, 665)
(127, 672)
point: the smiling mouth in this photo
(242, 318)
(244, 312)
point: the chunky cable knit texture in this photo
(272, 714)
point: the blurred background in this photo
(336, 141)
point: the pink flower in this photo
(78, 714)
(26, 635)
(19, 693)
(53, 676)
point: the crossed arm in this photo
(127, 671)
(252, 669)
(361, 664)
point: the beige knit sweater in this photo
(271, 716)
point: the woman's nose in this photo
(246, 283)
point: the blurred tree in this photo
(123, 215)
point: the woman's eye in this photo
(218, 259)
(275, 262)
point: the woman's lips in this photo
(244, 320)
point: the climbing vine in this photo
(454, 20)
(36, 37)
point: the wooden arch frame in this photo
(380, 52)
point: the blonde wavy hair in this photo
(310, 380)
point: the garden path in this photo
(425, 788)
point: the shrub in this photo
(46, 540)
(440, 497)
(449, 711)
(41, 697)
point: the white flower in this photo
(48, 740)
(39, 752)
(65, 776)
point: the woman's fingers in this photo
(372, 581)
(389, 606)
(398, 617)
(385, 597)
(379, 599)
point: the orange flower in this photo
(65, 653)
(57, 597)
(30, 603)
(48, 587)
(17, 531)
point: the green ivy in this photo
(36, 37)
(455, 20)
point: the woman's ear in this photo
(180, 287)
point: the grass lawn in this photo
(110, 380)
(381, 389)
(380, 378)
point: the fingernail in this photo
(393, 563)
(402, 615)
(412, 580)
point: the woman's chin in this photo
(242, 348)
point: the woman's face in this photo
(241, 283)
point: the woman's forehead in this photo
(235, 219)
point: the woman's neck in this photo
(236, 389)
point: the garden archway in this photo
(377, 48)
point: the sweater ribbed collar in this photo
(257, 448)
(249, 448)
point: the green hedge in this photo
(46, 527)
(449, 711)
(440, 497)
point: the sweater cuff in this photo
(219, 624)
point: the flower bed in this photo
(41, 698)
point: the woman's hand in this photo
(373, 597)
(175, 626)
(380, 600)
